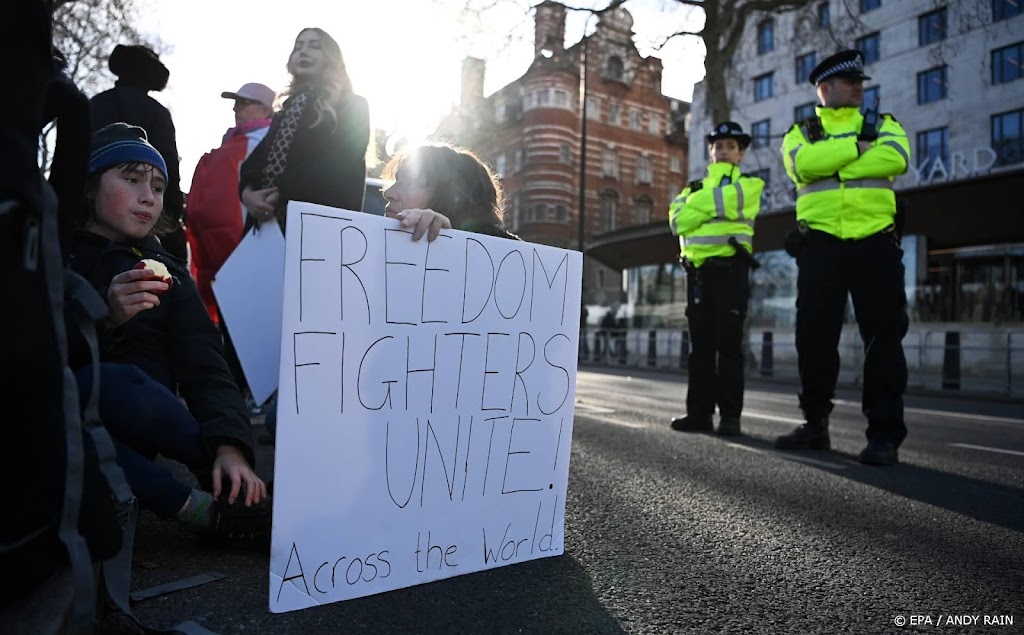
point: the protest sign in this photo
(249, 289)
(425, 406)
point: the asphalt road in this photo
(677, 533)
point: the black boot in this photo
(879, 452)
(812, 435)
(729, 427)
(692, 424)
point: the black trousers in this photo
(717, 294)
(871, 272)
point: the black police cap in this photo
(729, 130)
(843, 64)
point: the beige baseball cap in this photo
(256, 92)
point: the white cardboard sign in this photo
(249, 289)
(425, 406)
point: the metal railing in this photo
(946, 360)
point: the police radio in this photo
(869, 130)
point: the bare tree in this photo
(84, 34)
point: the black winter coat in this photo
(132, 105)
(325, 166)
(175, 343)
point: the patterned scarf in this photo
(282, 133)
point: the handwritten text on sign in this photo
(425, 406)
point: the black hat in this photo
(729, 130)
(139, 66)
(843, 64)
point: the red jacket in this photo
(215, 214)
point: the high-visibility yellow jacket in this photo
(839, 189)
(706, 218)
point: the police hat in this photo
(843, 64)
(729, 130)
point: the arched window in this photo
(614, 68)
(608, 211)
(642, 210)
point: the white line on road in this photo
(790, 457)
(768, 417)
(986, 449)
(617, 422)
(945, 413)
(586, 407)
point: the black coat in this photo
(132, 105)
(325, 165)
(175, 343)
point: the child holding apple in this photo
(156, 342)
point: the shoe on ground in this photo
(880, 452)
(809, 436)
(249, 526)
(692, 424)
(729, 427)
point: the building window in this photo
(654, 124)
(519, 160)
(871, 46)
(514, 206)
(501, 164)
(643, 169)
(804, 65)
(610, 163)
(931, 27)
(674, 164)
(932, 147)
(931, 85)
(824, 15)
(1006, 63)
(565, 153)
(561, 213)
(764, 86)
(613, 113)
(538, 213)
(871, 98)
(561, 99)
(608, 211)
(804, 111)
(1003, 9)
(765, 37)
(499, 112)
(869, 5)
(642, 211)
(761, 131)
(614, 68)
(1008, 137)
(593, 108)
(635, 121)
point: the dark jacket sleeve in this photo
(252, 168)
(164, 139)
(204, 379)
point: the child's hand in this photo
(130, 293)
(230, 462)
(424, 221)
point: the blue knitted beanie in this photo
(121, 143)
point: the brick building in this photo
(529, 131)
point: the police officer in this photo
(714, 219)
(843, 164)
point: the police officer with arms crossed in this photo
(714, 219)
(843, 164)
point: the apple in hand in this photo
(160, 272)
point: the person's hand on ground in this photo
(231, 463)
